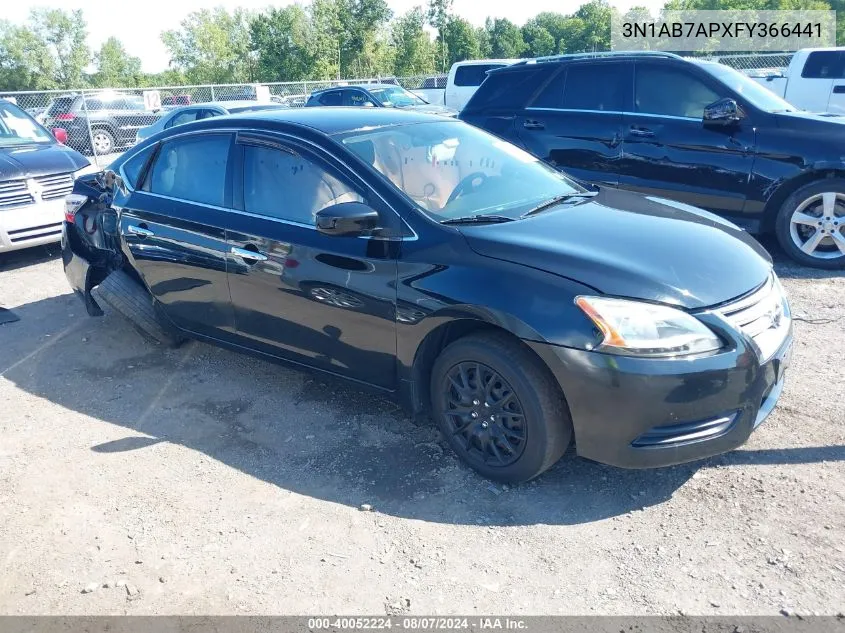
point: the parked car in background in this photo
(700, 133)
(186, 114)
(813, 81)
(36, 173)
(39, 114)
(463, 80)
(375, 96)
(176, 100)
(477, 284)
(432, 89)
(102, 122)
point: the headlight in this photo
(644, 329)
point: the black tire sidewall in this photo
(784, 218)
(107, 133)
(542, 405)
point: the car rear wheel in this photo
(499, 408)
(103, 141)
(811, 224)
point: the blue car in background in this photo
(376, 96)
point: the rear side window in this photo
(192, 169)
(332, 98)
(603, 87)
(60, 105)
(133, 167)
(473, 74)
(824, 65)
(183, 117)
(507, 90)
(552, 95)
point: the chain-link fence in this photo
(104, 123)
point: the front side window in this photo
(183, 117)
(18, 128)
(284, 185)
(192, 169)
(356, 98)
(740, 83)
(451, 169)
(332, 98)
(396, 96)
(671, 92)
(601, 87)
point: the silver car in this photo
(197, 111)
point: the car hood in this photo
(39, 160)
(629, 245)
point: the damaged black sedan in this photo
(425, 258)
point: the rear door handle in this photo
(642, 132)
(140, 231)
(530, 124)
(245, 253)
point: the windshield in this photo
(18, 128)
(396, 96)
(451, 169)
(757, 95)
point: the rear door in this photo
(173, 231)
(669, 152)
(319, 300)
(575, 122)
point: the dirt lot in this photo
(196, 480)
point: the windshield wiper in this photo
(477, 219)
(548, 204)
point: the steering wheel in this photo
(472, 182)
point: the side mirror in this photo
(347, 219)
(60, 134)
(722, 112)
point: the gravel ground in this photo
(141, 480)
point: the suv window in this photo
(332, 98)
(283, 185)
(60, 105)
(601, 86)
(670, 92)
(509, 89)
(192, 169)
(824, 65)
(355, 98)
(473, 74)
(184, 117)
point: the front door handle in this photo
(838, 90)
(531, 124)
(642, 132)
(140, 231)
(245, 253)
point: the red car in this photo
(176, 100)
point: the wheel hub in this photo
(816, 225)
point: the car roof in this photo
(333, 120)
(226, 105)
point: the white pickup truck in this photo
(813, 81)
(464, 78)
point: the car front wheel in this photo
(499, 407)
(811, 224)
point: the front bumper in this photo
(31, 225)
(643, 413)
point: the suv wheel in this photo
(103, 142)
(499, 408)
(811, 224)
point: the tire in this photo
(103, 142)
(538, 436)
(125, 295)
(803, 220)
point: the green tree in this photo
(505, 38)
(538, 40)
(461, 40)
(25, 60)
(64, 34)
(413, 49)
(282, 39)
(438, 18)
(595, 34)
(115, 67)
(211, 46)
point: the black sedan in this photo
(375, 96)
(426, 258)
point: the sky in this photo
(139, 24)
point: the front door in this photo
(173, 231)
(323, 301)
(669, 152)
(575, 123)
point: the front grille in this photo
(56, 186)
(18, 193)
(763, 316)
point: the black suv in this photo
(113, 119)
(696, 132)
